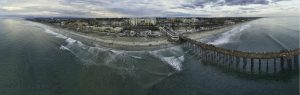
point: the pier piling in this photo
(274, 65)
(282, 64)
(252, 63)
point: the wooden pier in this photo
(252, 62)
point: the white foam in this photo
(175, 50)
(70, 40)
(80, 50)
(174, 62)
(227, 36)
(47, 29)
(54, 33)
(117, 52)
(181, 58)
(137, 57)
(64, 48)
(50, 31)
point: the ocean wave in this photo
(83, 52)
(279, 43)
(55, 34)
(169, 56)
(136, 57)
(174, 62)
(47, 29)
(126, 63)
(64, 48)
(103, 55)
(88, 54)
(229, 35)
(70, 40)
(181, 58)
(117, 52)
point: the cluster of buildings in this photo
(140, 27)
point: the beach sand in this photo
(122, 43)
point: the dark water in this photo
(34, 60)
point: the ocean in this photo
(35, 60)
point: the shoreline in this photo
(159, 43)
(115, 44)
(199, 35)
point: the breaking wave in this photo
(170, 56)
(174, 62)
(88, 54)
(158, 64)
(229, 35)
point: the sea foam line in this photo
(227, 36)
(173, 61)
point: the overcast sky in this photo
(150, 8)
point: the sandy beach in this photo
(122, 43)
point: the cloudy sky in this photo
(150, 8)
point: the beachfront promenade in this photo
(253, 62)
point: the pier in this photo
(250, 62)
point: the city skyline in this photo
(150, 8)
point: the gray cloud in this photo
(202, 3)
(116, 8)
(187, 6)
(135, 11)
(247, 8)
(246, 2)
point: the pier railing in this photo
(254, 62)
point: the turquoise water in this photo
(34, 60)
